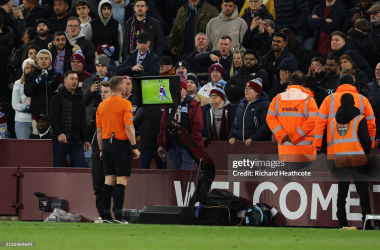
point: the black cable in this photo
(42, 214)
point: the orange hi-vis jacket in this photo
(293, 113)
(348, 151)
(328, 110)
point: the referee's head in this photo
(117, 86)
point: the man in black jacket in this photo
(58, 22)
(68, 123)
(235, 87)
(43, 37)
(139, 22)
(43, 128)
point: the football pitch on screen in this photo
(55, 235)
(151, 92)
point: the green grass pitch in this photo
(151, 89)
(137, 236)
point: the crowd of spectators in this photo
(233, 58)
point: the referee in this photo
(115, 132)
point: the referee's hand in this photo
(136, 153)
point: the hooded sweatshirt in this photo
(235, 27)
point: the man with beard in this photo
(201, 45)
(374, 30)
(61, 52)
(330, 80)
(223, 56)
(356, 13)
(235, 87)
(142, 22)
(279, 51)
(58, 22)
(43, 37)
(43, 128)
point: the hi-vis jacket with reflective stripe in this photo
(328, 110)
(348, 151)
(293, 113)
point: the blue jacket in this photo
(250, 120)
(207, 123)
(374, 90)
(151, 65)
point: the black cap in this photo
(166, 60)
(143, 37)
(312, 83)
(346, 79)
(42, 116)
(42, 20)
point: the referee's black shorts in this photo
(117, 157)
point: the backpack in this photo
(258, 216)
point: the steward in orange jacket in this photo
(329, 108)
(291, 118)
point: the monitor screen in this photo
(156, 91)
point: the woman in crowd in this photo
(237, 61)
(21, 103)
(30, 52)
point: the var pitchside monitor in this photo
(159, 90)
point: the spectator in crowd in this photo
(93, 6)
(43, 128)
(7, 129)
(146, 118)
(141, 62)
(201, 45)
(218, 116)
(318, 91)
(223, 56)
(237, 62)
(286, 68)
(106, 30)
(235, 87)
(274, 57)
(108, 51)
(293, 14)
(118, 12)
(166, 66)
(128, 93)
(139, 22)
(228, 23)
(192, 13)
(69, 136)
(374, 31)
(30, 52)
(192, 87)
(291, 118)
(374, 88)
(75, 36)
(40, 85)
(58, 22)
(92, 86)
(189, 116)
(256, 10)
(5, 7)
(330, 80)
(21, 103)
(43, 37)
(358, 40)
(36, 12)
(83, 9)
(326, 18)
(303, 55)
(329, 107)
(347, 63)
(216, 74)
(77, 62)
(259, 36)
(249, 123)
(357, 13)
(7, 38)
(182, 65)
(97, 170)
(350, 115)
(61, 51)
(317, 65)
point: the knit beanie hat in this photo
(41, 20)
(312, 83)
(347, 57)
(182, 78)
(78, 56)
(217, 67)
(346, 79)
(34, 2)
(27, 62)
(193, 77)
(3, 2)
(105, 49)
(102, 59)
(219, 90)
(183, 64)
(44, 51)
(255, 84)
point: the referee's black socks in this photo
(118, 200)
(107, 194)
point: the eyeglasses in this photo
(249, 59)
(331, 65)
(213, 96)
(73, 26)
